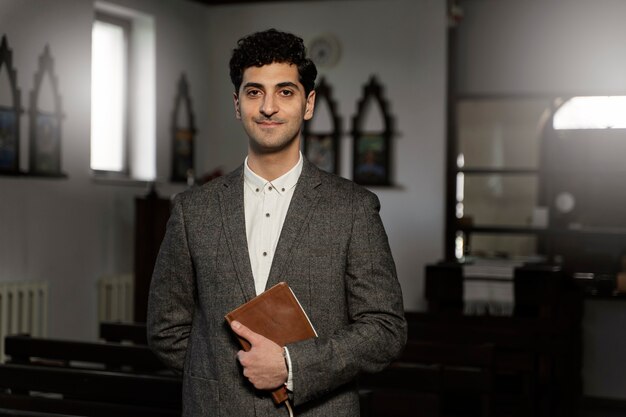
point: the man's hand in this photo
(264, 364)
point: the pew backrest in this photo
(123, 332)
(23, 349)
(93, 385)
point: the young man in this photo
(275, 218)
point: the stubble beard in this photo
(266, 144)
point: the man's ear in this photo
(310, 106)
(236, 103)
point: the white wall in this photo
(535, 46)
(402, 42)
(71, 231)
(562, 46)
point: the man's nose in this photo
(269, 106)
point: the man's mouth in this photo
(269, 123)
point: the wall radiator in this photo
(23, 309)
(116, 299)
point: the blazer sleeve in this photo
(172, 293)
(377, 330)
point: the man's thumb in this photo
(244, 332)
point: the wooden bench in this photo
(399, 402)
(111, 331)
(6, 412)
(537, 361)
(23, 349)
(433, 379)
(401, 390)
(62, 377)
(518, 346)
(467, 374)
(81, 392)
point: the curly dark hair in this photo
(267, 47)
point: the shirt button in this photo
(282, 189)
(267, 214)
(257, 190)
(270, 188)
(264, 253)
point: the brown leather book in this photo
(277, 315)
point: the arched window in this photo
(592, 112)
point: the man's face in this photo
(272, 105)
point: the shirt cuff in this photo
(289, 383)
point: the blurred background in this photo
(502, 121)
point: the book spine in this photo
(279, 395)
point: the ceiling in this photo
(216, 2)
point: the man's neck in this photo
(273, 165)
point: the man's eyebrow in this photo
(287, 84)
(254, 85)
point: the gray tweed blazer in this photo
(334, 254)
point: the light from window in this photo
(459, 245)
(108, 97)
(594, 112)
(460, 194)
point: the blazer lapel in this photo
(302, 204)
(233, 216)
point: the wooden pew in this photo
(85, 379)
(466, 374)
(401, 390)
(463, 367)
(434, 379)
(111, 331)
(23, 349)
(400, 402)
(6, 412)
(81, 392)
(536, 350)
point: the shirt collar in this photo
(281, 184)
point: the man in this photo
(276, 218)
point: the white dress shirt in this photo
(265, 205)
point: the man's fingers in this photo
(263, 364)
(244, 332)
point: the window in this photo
(123, 96)
(595, 112)
(496, 175)
(109, 94)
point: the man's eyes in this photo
(257, 93)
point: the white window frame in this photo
(140, 148)
(119, 106)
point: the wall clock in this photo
(324, 50)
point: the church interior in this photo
(490, 131)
